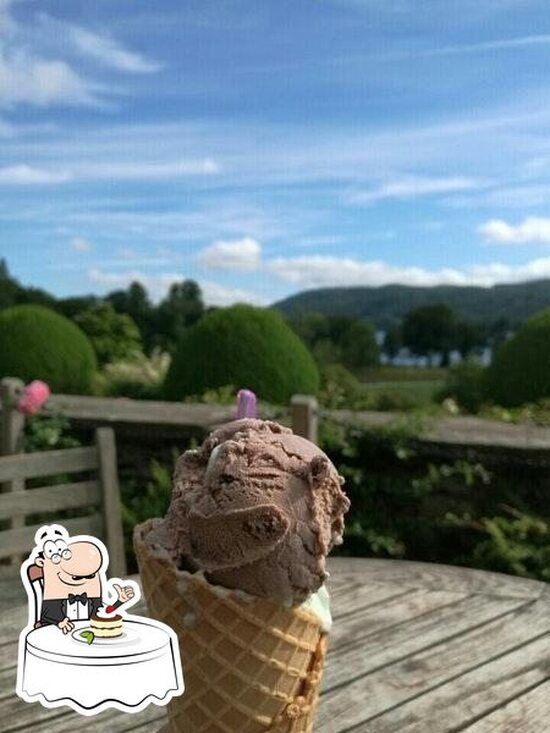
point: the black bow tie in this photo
(83, 598)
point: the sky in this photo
(265, 147)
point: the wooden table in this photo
(416, 648)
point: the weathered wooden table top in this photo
(415, 648)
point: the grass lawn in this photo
(402, 374)
(403, 387)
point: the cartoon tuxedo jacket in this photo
(55, 610)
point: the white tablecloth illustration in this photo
(127, 672)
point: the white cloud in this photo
(24, 175)
(45, 76)
(158, 285)
(237, 254)
(320, 271)
(80, 244)
(25, 79)
(530, 230)
(215, 294)
(109, 52)
(412, 187)
(498, 44)
(146, 170)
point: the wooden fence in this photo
(152, 421)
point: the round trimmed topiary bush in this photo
(38, 343)
(246, 347)
(520, 370)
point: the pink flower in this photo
(246, 404)
(33, 397)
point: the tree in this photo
(10, 289)
(359, 346)
(135, 303)
(393, 341)
(469, 335)
(338, 339)
(520, 370)
(113, 335)
(311, 327)
(180, 309)
(70, 307)
(430, 329)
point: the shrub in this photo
(37, 343)
(466, 385)
(114, 336)
(520, 371)
(245, 346)
(140, 378)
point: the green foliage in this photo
(144, 499)
(141, 377)
(404, 505)
(516, 543)
(113, 335)
(37, 343)
(386, 306)
(338, 339)
(246, 346)
(48, 431)
(520, 371)
(430, 329)
(466, 385)
(181, 308)
(393, 341)
(13, 293)
(224, 395)
(135, 303)
(341, 390)
(359, 347)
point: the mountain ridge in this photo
(386, 305)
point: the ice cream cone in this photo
(249, 665)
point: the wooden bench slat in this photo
(50, 499)
(47, 463)
(14, 541)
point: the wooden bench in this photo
(96, 501)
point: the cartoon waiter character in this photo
(75, 650)
(71, 578)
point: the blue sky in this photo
(263, 147)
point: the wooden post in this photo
(304, 411)
(12, 423)
(112, 516)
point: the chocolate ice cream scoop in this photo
(257, 508)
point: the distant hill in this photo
(386, 305)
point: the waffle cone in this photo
(249, 665)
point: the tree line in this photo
(126, 321)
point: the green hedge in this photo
(37, 343)
(411, 506)
(520, 371)
(247, 347)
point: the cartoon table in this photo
(136, 667)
